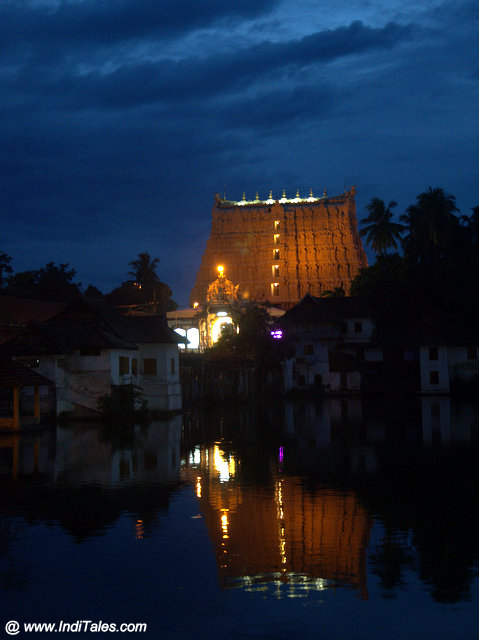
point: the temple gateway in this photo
(277, 251)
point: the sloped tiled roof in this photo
(86, 324)
(320, 310)
(79, 326)
(150, 329)
(21, 311)
(14, 374)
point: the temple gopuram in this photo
(278, 250)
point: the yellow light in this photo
(220, 269)
(195, 305)
(217, 325)
(221, 464)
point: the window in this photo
(472, 353)
(149, 366)
(124, 365)
(275, 288)
(276, 238)
(308, 349)
(433, 353)
(276, 225)
(358, 327)
(276, 254)
(276, 270)
(173, 366)
(434, 377)
(134, 367)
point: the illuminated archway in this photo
(217, 325)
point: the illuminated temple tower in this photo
(279, 250)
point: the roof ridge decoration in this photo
(223, 202)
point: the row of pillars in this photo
(14, 421)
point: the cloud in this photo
(268, 110)
(143, 82)
(102, 22)
(119, 120)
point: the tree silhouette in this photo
(143, 269)
(381, 232)
(432, 225)
(51, 282)
(5, 267)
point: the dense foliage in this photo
(56, 283)
(51, 282)
(249, 337)
(436, 280)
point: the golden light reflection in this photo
(223, 465)
(139, 530)
(224, 528)
(224, 523)
(280, 515)
(198, 486)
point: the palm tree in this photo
(381, 233)
(144, 269)
(432, 224)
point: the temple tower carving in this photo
(279, 250)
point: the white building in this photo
(330, 335)
(89, 350)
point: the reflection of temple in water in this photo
(297, 538)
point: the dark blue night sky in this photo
(120, 119)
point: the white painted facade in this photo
(311, 365)
(442, 365)
(80, 380)
(162, 390)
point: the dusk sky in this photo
(120, 119)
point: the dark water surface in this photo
(336, 519)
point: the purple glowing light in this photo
(277, 334)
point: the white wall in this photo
(460, 366)
(163, 391)
(441, 365)
(367, 328)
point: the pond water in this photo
(334, 519)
